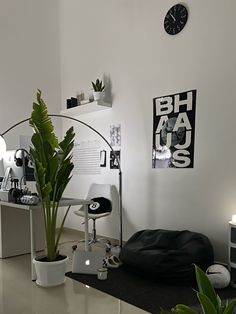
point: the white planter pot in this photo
(98, 95)
(50, 274)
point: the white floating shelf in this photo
(87, 108)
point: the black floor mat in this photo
(146, 294)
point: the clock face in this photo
(175, 19)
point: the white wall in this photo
(29, 60)
(125, 40)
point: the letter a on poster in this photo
(174, 130)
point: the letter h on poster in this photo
(174, 130)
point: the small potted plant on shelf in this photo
(98, 90)
(53, 167)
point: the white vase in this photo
(98, 96)
(50, 274)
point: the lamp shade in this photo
(3, 147)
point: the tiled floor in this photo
(19, 295)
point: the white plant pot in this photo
(98, 95)
(50, 274)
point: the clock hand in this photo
(173, 17)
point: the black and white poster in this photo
(115, 135)
(173, 130)
(113, 160)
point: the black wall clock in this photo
(175, 19)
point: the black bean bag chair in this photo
(167, 256)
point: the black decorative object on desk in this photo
(14, 195)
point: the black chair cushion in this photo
(167, 255)
(100, 205)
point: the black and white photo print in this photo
(113, 160)
(115, 135)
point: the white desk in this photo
(65, 202)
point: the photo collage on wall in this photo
(115, 140)
(174, 130)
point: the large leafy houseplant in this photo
(53, 167)
(210, 302)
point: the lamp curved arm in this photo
(114, 153)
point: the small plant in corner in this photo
(210, 302)
(98, 86)
(98, 90)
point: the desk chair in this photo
(96, 190)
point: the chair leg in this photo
(100, 240)
(106, 242)
(94, 233)
(74, 247)
(94, 239)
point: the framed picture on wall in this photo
(113, 161)
(174, 130)
(115, 135)
(103, 158)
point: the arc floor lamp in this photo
(3, 150)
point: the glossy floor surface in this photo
(19, 295)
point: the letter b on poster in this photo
(174, 130)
